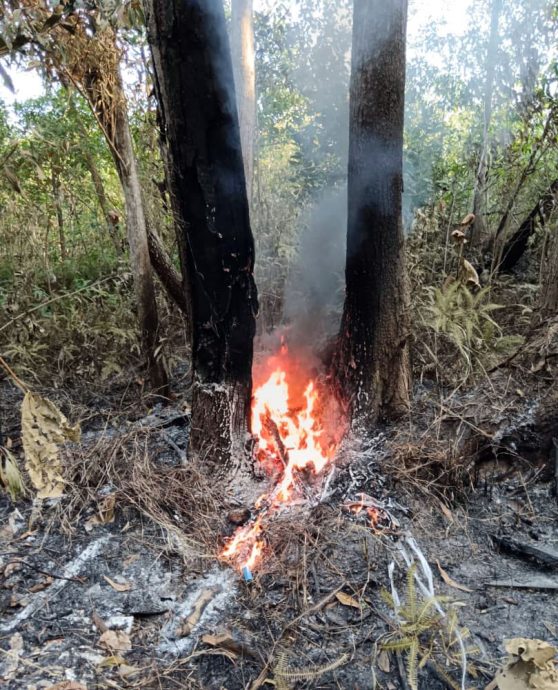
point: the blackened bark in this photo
(372, 362)
(195, 87)
(517, 244)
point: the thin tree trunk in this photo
(372, 361)
(548, 298)
(109, 214)
(478, 228)
(57, 195)
(244, 66)
(109, 106)
(170, 278)
(517, 244)
(194, 83)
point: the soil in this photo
(318, 610)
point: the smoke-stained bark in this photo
(548, 298)
(194, 82)
(372, 362)
(244, 67)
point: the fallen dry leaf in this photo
(347, 600)
(118, 586)
(104, 515)
(537, 651)
(383, 661)
(116, 641)
(450, 581)
(43, 429)
(41, 585)
(202, 601)
(67, 685)
(530, 666)
(13, 656)
(11, 568)
(225, 640)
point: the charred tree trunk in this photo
(372, 362)
(517, 244)
(194, 82)
(243, 59)
(478, 228)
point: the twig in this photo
(20, 561)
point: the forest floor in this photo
(118, 584)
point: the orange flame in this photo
(288, 416)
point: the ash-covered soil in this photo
(104, 589)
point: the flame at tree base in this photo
(298, 426)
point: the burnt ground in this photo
(131, 549)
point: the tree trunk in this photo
(109, 106)
(548, 298)
(243, 59)
(517, 244)
(109, 214)
(478, 228)
(194, 83)
(536, 153)
(57, 195)
(372, 361)
(170, 278)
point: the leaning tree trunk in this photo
(372, 361)
(540, 215)
(194, 82)
(244, 66)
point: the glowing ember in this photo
(290, 415)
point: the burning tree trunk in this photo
(243, 59)
(372, 361)
(194, 83)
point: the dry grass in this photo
(122, 472)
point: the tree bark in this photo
(194, 83)
(108, 213)
(548, 298)
(170, 278)
(517, 244)
(478, 228)
(244, 66)
(372, 361)
(109, 106)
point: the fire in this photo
(290, 415)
